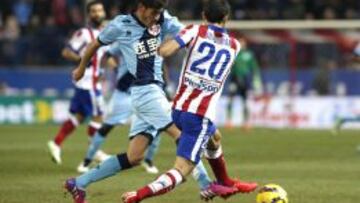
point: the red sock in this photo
(218, 166)
(65, 130)
(165, 183)
(92, 128)
(144, 192)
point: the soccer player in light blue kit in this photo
(118, 112)
(138, 36)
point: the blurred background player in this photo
(244, 75)
(206, 67)
(340, 121)
(119, 112)
(88, 99)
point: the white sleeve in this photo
(78, 41)
(187, 35)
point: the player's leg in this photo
(155, 109)
(96, 142)
(118, 112)
(76, 116)
(215, 157)
(93, 127)
(95, 110)
(68, 127)
(195, 133)
(243, 92)
(110, 167)
(232, 91)
(115, 164)
(148, 163)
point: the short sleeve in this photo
(78, 41)
(171, 24)
(113, 49)
(187, 35)
(111, 32)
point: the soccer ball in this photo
(272, 193)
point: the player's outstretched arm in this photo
(169, 48)
(78, 73)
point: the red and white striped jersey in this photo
(78, 43)
(211, 54)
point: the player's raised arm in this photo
(110, 34)
(78, 73)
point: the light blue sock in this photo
(201, 176)
(95, 145)
(153, 148)
(106, 169)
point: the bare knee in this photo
(137, 148)
(215, 141)
(185, 167)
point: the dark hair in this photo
(155, 4)
(92, 3)
(215, 11)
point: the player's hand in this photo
(77, 74)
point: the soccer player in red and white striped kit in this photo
(88, 99)
(211, 54)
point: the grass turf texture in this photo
(312, 166)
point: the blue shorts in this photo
(195, 132)
(87, 103)
(151, 108)
(119, 109)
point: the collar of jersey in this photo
(217, 28)
(138, 20)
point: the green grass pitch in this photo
(312, 166)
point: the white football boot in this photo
(55, 152)
(101, 156)
(82, 169)
(149, 167)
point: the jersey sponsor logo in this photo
(201, 83)
(146, 48)
(154, 30)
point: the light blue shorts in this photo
(119, 109)
(152, 110)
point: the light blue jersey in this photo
(139, 44)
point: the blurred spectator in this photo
(11, 30)
(8, 39)
(22, 9)
(322, 81)
(57, 19)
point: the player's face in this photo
(97, 14)
(150, 16)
